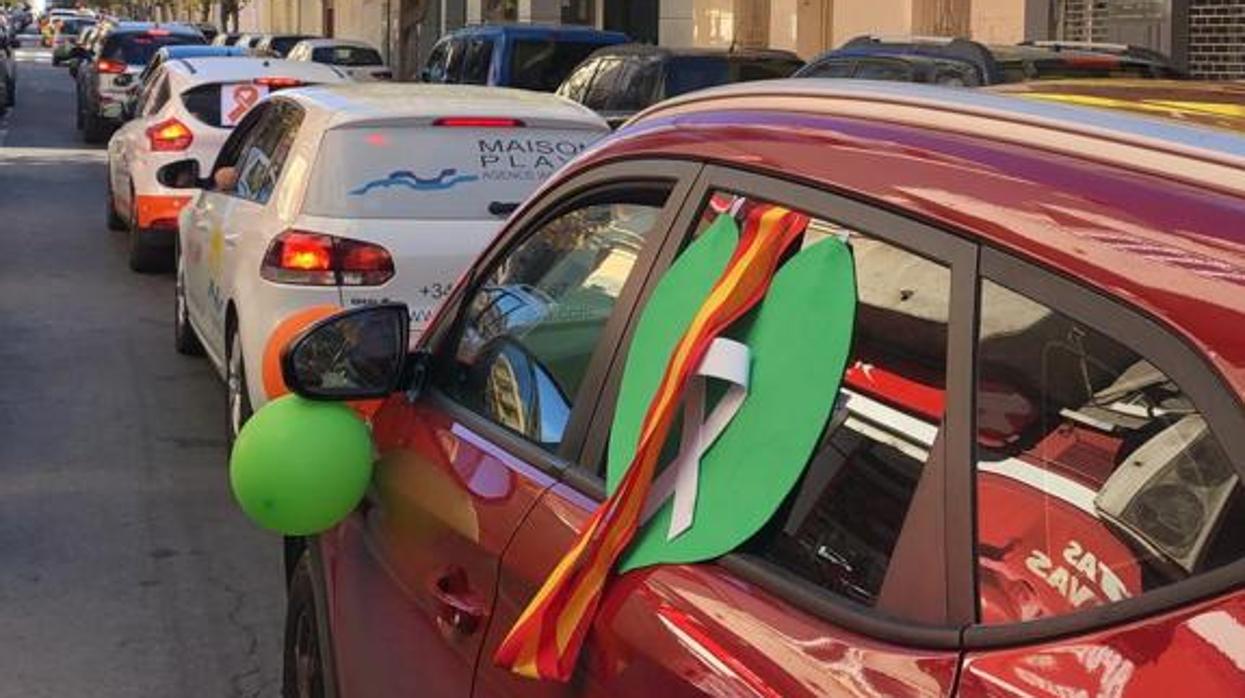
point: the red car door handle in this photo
(459, 611)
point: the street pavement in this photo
(125, 568)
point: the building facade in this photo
(1206, 36)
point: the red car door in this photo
(517, 364)
(1109, 502)
(824, 600)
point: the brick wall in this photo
(1217, 39)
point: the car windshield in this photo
(281, 45)
(690, 73)
(543, 65)
(138, 49)
(346, 55)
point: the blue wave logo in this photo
(448, 179)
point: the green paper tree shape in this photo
(799, 340)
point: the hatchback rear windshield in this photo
(346, 55)
(543, 65)
(138, 48)
(203, 101)
(281, 45)
(431, 172)
(690, 73)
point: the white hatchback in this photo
(358, 59)
(350, 195)
(187, 109)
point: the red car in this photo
(1029, 484)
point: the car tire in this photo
(145, 258)
(237, 394)
(94, 129)
(115, 221)
(185, 341)
(303, 659)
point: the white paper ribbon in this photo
(726, 360)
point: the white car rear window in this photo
(435, 172)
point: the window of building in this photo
(1097, 478)
(500, 10)
(579, 12)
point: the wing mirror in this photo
(182, 174)
(358, 354)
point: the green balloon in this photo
(299, 467)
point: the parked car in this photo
(123, 50)
(208, 30)
(358, 59)
(65, 37)
(619, 81)
(278, 45)
(170, 53)
(870, 65)
(1126, 50)
(249, 41)
(187, 109)
(397, 188)
(531, 57)
(226, 39)
(941, 60)
(1028, 482)
(8, 73)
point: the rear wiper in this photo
(502, 208)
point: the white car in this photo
(358, 59)
(187, 109)
(349, 195)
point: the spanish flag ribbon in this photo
(545, 641)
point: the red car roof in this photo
(1147, 212)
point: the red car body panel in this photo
(1175, 251)
(695, 630)
(1196, 651)
(449, 503)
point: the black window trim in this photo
(1183, 364)
(960, 257)
(679, 176)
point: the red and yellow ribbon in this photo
(545, 641)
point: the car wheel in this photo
(239, 396)
(115, 221)
(184, 338)
(145, 258)
(303, 675)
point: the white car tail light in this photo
(315, 259)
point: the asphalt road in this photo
(125, 568)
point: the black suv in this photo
(105, 76)
(619, 81)
(941, 60)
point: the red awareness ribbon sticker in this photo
(244, 97)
